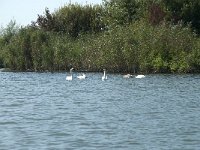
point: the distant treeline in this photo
(151, 36)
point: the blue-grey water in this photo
(44, 111)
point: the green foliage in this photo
(6, 36)
(186, 11)
(142, 47)
(120, 12)
(72, 19)
(46, 22)
(122, 36)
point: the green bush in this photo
(136, 45)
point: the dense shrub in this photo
(87, 38)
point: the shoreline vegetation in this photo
(155, 36)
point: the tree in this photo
(121, 12)
(46, 22)
(72, 19)
(186, 11)
(6, 37)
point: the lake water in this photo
(44, 111)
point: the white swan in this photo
(140, 76)
(69, 78)
(83, 76)
(104, 77)
(127, 76)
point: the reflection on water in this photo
(44, 111)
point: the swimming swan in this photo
(83, 76)
(140, 76)
(69, 78)
(127, 76)
(104, 77)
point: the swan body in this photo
(69, 78)
(127, 76)
(83, 76)
(104, 77)
(140, 76)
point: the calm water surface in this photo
(44, 111)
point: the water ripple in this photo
(43, 111)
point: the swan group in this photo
(137, 76)
(104, 77)
(70, 77)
